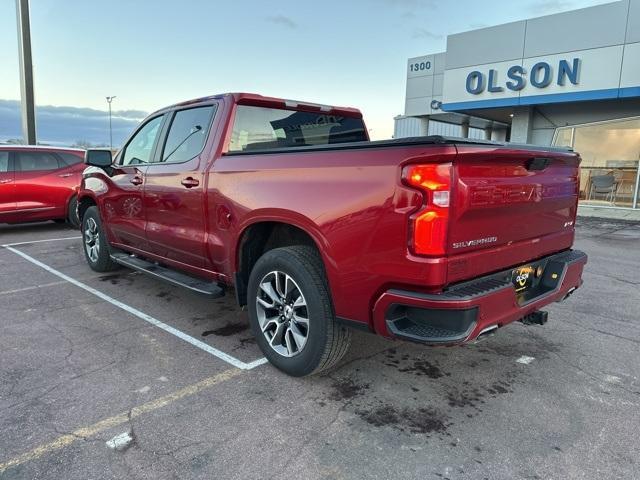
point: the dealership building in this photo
(570, 79)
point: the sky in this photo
(152, 53)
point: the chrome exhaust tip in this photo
(486, 332)
(569, 293)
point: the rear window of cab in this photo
(259, 128)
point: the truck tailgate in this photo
(509, 206)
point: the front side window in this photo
(258, 128)
(4, 162)
(34, 161)
(139, 150)
(187, 134)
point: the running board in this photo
(202, 287)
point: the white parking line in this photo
(143, 316)
(35, 287)
(17, 244)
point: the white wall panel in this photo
(599, 70)
(438, 83)
(593, 27)
(417, 106)
(439, 61)
(633, 27)
(486, 45)
(631, 66)
(419, 86)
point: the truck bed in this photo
(401, 142)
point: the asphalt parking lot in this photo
(121, 376)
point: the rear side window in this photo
(4, 162)
(257, 128)
(70, 159)
(33, 161)
(187, 134)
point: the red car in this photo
(430, 239)
(39, 183)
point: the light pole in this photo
(26, 73)
(109, 100)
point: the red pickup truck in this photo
(319, 230)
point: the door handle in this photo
(190, 182)
(5, 180)
(137, 180)
(65, 175)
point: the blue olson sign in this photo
(541, 75)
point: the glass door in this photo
(610, 155)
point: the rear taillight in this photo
(429, 225)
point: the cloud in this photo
(283, 21)
(424, 33)
(411, 9)
(65, 125)
(134, 114)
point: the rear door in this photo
(40, 192)
(7, 186)
(514, 204)
(174, 188)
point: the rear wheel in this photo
(72, 213)
(96, 248)
(291, 312)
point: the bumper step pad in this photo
(431, 326)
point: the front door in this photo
(123, 207)
(40, 193)
(7, 188)
(174, 189)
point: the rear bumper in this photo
(461, 313)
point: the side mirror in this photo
(98, 158)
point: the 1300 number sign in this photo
(419, 67)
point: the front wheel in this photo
(96, 248)
(291, 312)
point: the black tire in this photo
(99, 260)
(326, 341)
(72, 213)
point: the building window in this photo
(610, 155)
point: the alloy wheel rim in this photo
(283, 315)
(92, 240)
